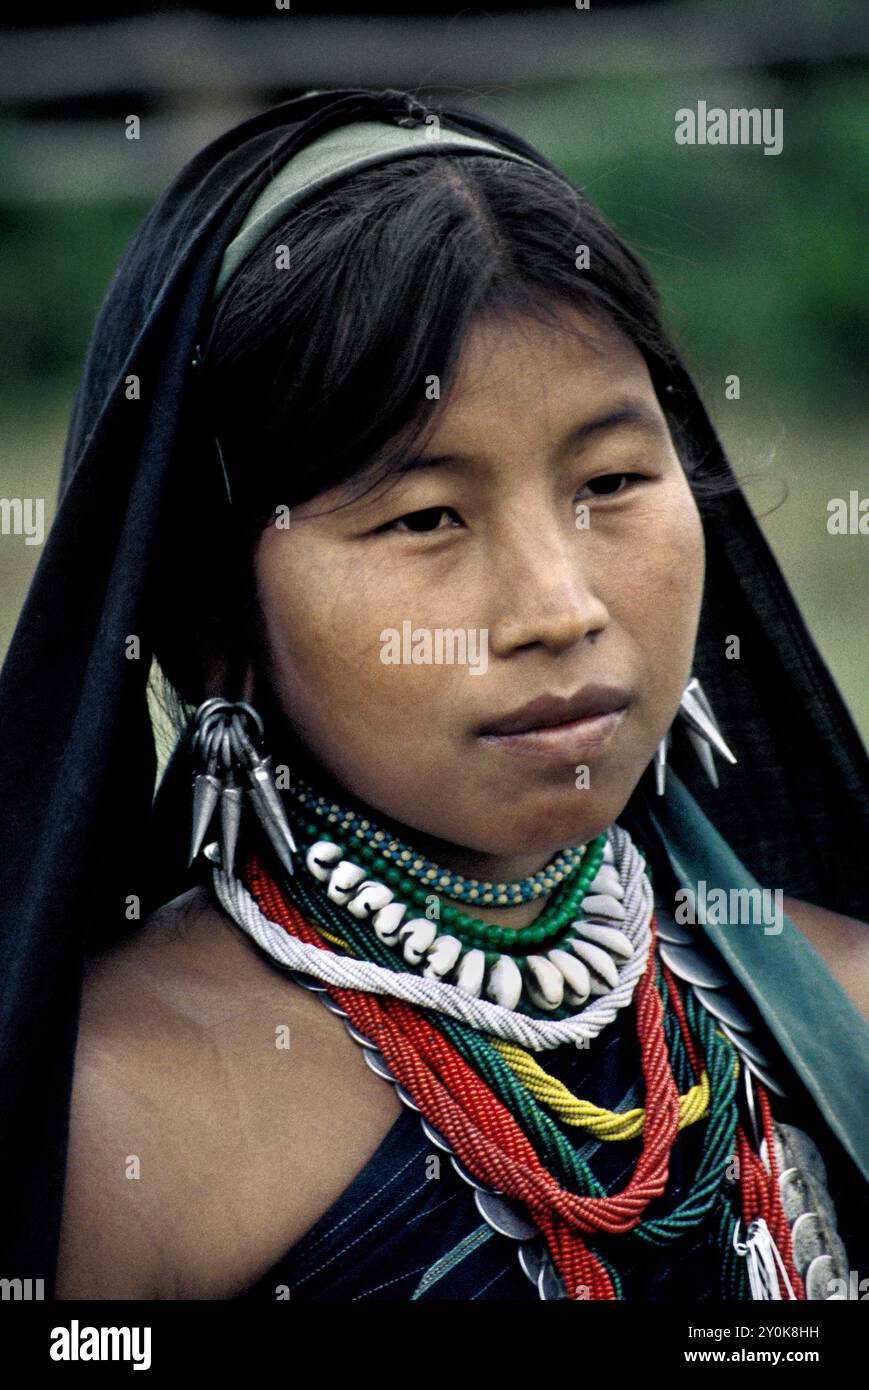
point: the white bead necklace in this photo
(456, 1000)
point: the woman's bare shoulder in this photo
(842, 942)
(170, 1019)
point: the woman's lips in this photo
(559, 741)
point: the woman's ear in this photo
(228, 675)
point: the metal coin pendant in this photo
(431, 1133)
(531, 1256)
(333, 1007)
(763, 1075)
(549, 1284)
(722, 1008)
(692, 965)
(466, 1175)
(671, 930)
(794, 1193)
(818, 1278)
(307, 981)
(405, 1097)
(377, 1063)
(745, 1045)
(356, 1035)
(802, 1152)
(806, 1241)
(504, 1215)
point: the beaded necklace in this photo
(576, 946)
(565, 902)
(489, 1100)
(383, 849)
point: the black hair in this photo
(319, 352)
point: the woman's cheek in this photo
(333, 677)
(664, 601)
(671, 558)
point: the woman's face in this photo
(547, 597)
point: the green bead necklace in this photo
(552, 923)
(370, 839)
(707, 1200)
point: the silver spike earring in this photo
(702, 730)
(227, 752)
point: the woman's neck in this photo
(458, 858)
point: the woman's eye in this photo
(607, 484)
(418, 523)
(426, 521)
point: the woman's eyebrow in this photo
(628, 412)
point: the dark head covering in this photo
(77, 758)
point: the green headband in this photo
(338, 152)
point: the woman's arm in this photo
(111, 1229)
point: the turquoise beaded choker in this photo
(574, 949)
(537, 967)
(369, 841)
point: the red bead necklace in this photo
(487, 1139)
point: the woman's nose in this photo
(544, 589)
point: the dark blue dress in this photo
(408, 1228)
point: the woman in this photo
(339, 328)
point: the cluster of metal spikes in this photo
(702, 730)
(230, 766)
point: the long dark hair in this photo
(313, 371)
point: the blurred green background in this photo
(760, 261)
